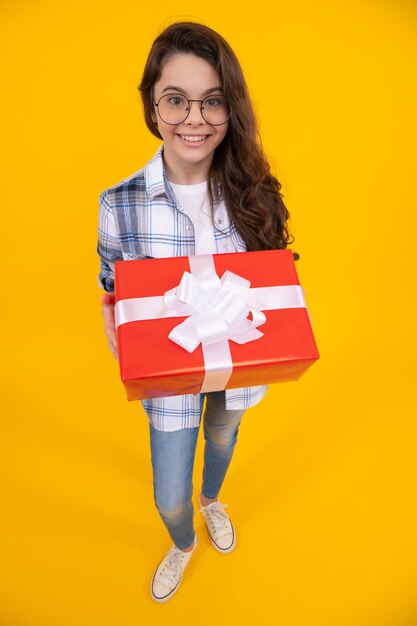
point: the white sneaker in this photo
(219, 526)
(169, 573)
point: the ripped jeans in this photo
(173, 455)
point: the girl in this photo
(207, 190)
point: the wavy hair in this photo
(239, 170)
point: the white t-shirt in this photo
(195, 202)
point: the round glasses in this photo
(174, 108)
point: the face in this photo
(189, 146)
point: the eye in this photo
(176, 100)
(214, 101)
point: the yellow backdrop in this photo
(322, 488)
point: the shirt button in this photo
(187, 227)
(219, 221)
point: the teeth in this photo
(194, 138)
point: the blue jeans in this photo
(173, 461)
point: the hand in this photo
(107, 301)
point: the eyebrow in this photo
(180, 90)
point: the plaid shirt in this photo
(140, 218)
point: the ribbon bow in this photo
(216, 307)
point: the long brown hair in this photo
(239, 170)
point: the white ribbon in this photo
(217, 311)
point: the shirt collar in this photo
(156, 180)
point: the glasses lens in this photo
(215, 110)
(173, 108)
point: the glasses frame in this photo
(177, 93)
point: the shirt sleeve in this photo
(109, 248)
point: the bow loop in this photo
(235, 283)
(217, 309)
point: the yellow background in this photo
(322, 488)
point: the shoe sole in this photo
(165, 598)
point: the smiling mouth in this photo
(194, 138)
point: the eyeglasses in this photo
(174, 108)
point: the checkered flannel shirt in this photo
(140, 218)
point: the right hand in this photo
(107, 301)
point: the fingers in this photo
(113, 348)
(107, 300)
(112, 342)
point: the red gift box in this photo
(152, 365)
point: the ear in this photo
(153, 117)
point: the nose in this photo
(194, 115)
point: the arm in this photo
(109, 250)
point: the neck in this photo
(185, 174)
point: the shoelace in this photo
(170, 570)
(216, 515)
